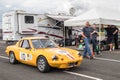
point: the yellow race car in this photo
(42, 53)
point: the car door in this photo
(25, 52)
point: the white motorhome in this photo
(17, 24)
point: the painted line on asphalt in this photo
(82, 75)
(4, 57)
(105, 59)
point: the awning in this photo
(96, 16)
(60, 17)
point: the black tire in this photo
(43, 65)
(12, 58)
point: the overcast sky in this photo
(56, 6)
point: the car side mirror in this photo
(28, 47)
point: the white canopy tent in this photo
(97, 16)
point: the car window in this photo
(36, 44)
(25, 44)
(43, 43)
(47, 43)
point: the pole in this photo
(64, 35)
(52, 28)
(99, 34)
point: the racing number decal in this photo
(29, 56)
(24, 56)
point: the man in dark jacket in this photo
(110, 36)
(115, 33)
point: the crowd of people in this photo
(90, 33)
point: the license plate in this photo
(72, 64)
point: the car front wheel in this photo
(12, 58)
(43, 65)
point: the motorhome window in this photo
(29, 19)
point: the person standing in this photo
(86, 33)
(94, 35)
(115, 33)
(110, 37)
(76, 39)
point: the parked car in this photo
(43, 53)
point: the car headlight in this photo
(79, 54)
(54, 57)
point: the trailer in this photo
(18, 23)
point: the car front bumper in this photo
(66, 64)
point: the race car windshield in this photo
(43, 43)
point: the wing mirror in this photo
(28, 47)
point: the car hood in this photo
(62, 52)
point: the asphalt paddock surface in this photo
(105, 67)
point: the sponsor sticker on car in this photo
(25, 56)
